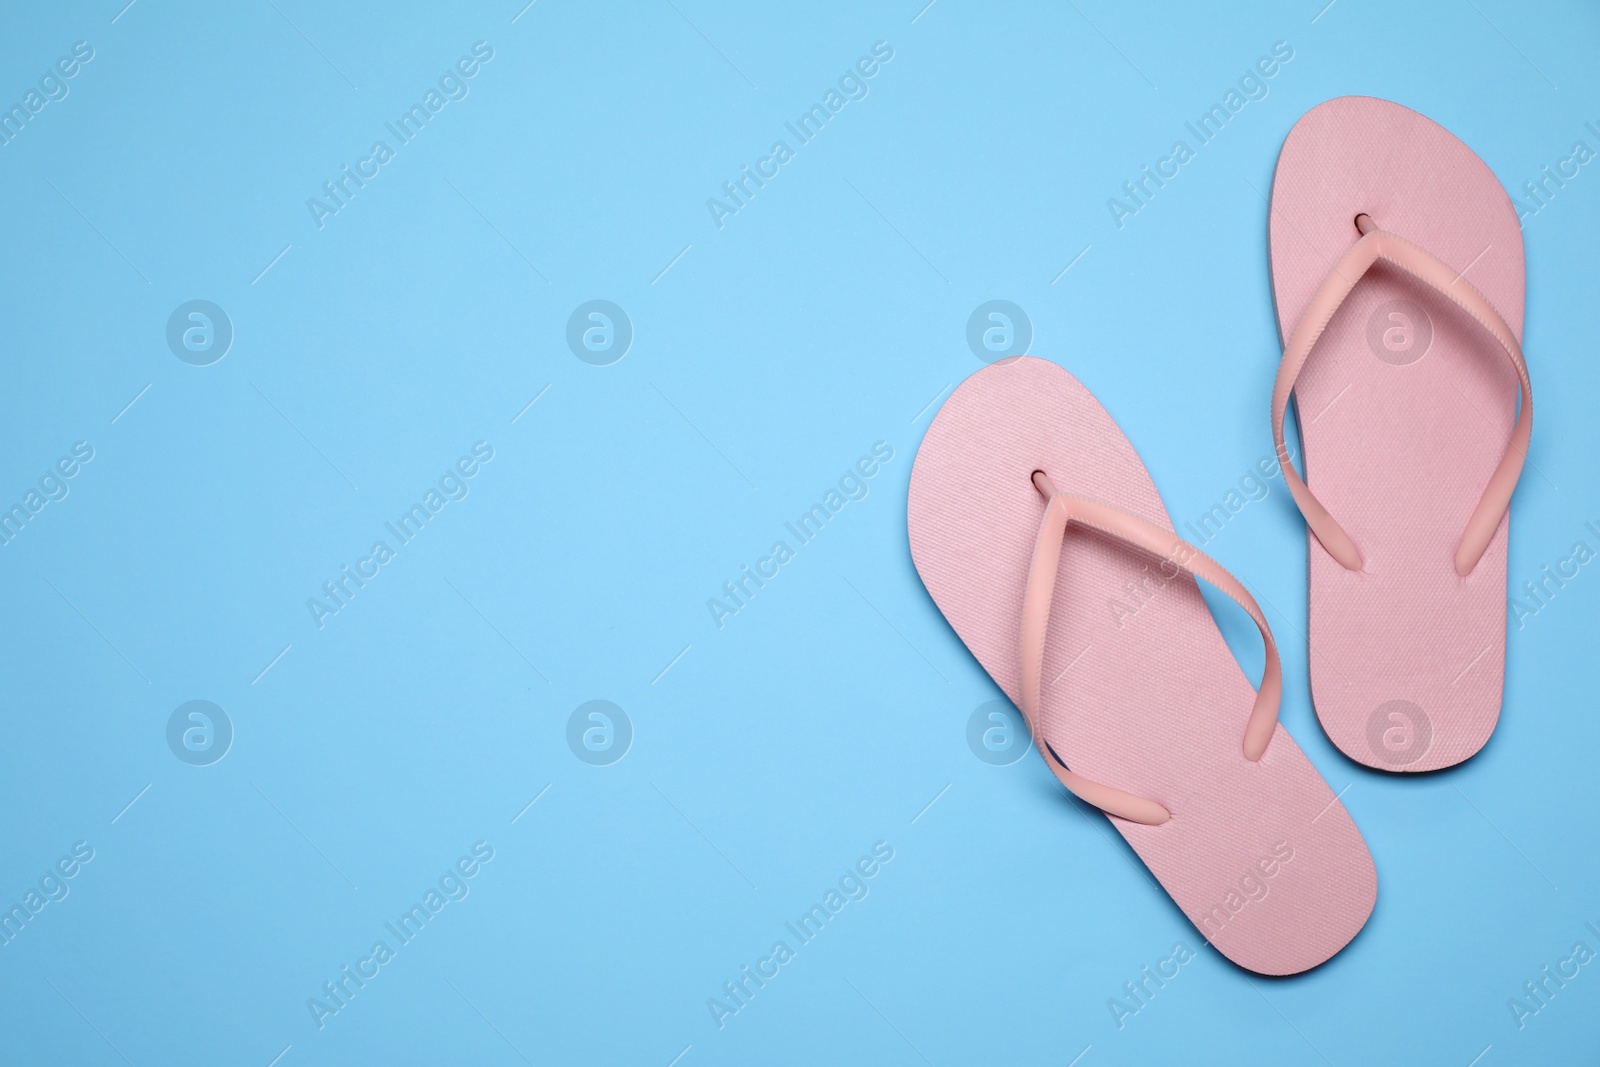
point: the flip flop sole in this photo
(1404, 408)
(1140, 689)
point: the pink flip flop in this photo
(1398, 274)
(1025, 496)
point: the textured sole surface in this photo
(1404, 408)
(1140, 689)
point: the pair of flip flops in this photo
(1031, 518)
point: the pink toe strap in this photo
(1036, 603)
(1376, 244)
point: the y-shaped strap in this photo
(1374, 245)
(1132, 530)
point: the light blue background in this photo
(768, 755)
